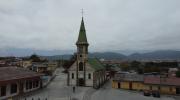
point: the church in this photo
(85, 71)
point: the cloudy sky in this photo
(110, 24)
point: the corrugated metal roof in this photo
(128, 77)
(12, 73)
(162, 81)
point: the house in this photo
(130, 81)
(166, 85)
(44, 67)
(39, 67)
(172, 72)
(85, 71)
(16, 81)
(26, 63)
(162, 83)
(52, 65)
(3, 63)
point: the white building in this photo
(85, 71)
(16, 81)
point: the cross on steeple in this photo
(82, 12)
(82, 39)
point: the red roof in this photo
(14, 73)
(163, 81)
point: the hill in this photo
(163, 55)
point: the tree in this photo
(178, 74)
(125, 66)
(35, 58)
(108, 67)
(135, 64)
(68, 63)
(148, 69)
(140, 71)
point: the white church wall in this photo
(89, 82)
(72, 80)
(80, 74)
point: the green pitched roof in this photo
(95, 64)
(82, 39)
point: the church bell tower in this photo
(82, 55)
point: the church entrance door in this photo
(81, 82)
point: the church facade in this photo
(85, 71)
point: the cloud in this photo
(110, 25)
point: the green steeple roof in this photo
(82, 39)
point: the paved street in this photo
(108, 93)
(58, 90)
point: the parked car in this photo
(147, 93)
(156, 94)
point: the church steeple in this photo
(82, 39)
(82, 54)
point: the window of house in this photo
(72, 75)
(150, 87)
(3, 91)
(34, 84)
(159, 88)
(80, 66)
(89, 76)
(37, 83)
(30, 84)
(27, 85)
(13, 88)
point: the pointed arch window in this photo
(72, 75)
(89, 76)
(80, 49)
(81, 66)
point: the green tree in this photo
(68, 63)
(178, 74)
(140, 71)
(35, 58)
(125, 66)
(135, 64)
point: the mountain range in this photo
(155, 55)
(119, 55)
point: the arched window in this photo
(80, 49)
(89, 76)
(86, 50)
(80, 66)
(72, 76)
